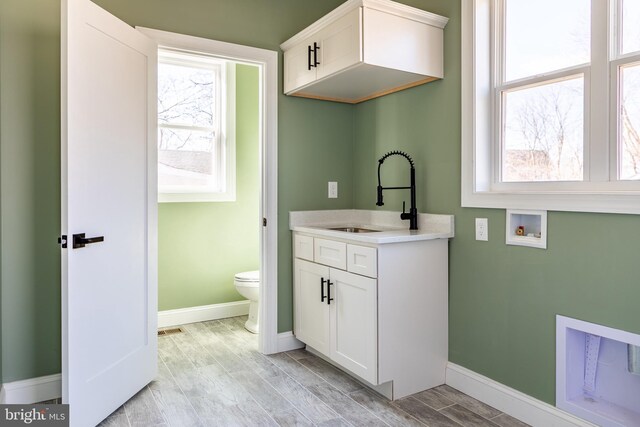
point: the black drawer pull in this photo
(322, 295)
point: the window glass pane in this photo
(186, 158)
(630, 26)
(546, 35)
(630, 122)
(186, 95)
(543, 132)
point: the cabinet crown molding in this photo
(386, 6)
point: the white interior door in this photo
(109, 288)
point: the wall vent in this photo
(169, 331)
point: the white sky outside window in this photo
(546, 35)
(630, 26)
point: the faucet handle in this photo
(404, 215)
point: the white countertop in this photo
(391, 228)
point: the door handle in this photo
(309, 64)
(329, 285)
(79, 240)
(322, 295)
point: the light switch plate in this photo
(482, 229)
(333, 190)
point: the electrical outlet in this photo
(333, 190)
(482, 229)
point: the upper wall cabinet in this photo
(364, 49)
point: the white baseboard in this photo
(32, 390)
(202, 313)
(287, 342)
(517, 404)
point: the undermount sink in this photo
(354, 230)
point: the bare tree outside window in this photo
(543, 135)
(630, 123)
(629, 126)
(189, 123)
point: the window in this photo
(196, 159)
(551, 105)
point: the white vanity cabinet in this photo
(335, 313)
(364, 49)
(377, 311)
(336, 310)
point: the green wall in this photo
(201, 246)
(503, 299)
(30, 188)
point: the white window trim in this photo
(225, 146)
(477, 187)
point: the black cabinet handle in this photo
(329, 285)
(322, 295)
(79, 240)
(316, 48)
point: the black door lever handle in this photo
(79, 240)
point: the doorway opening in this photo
(217, 147)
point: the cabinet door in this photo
(340, 44)
(296, 66)
(354, 325)
(311, 321)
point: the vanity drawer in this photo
(362, 260)
(303, 247)
(328, 252)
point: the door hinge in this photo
(62, 241)
(264, 222)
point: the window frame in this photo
(601, 191)
(224, 143)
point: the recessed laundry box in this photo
(598, 373)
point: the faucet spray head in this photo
(380, 202)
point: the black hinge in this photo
(62, 240)
(264, 222)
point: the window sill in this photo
(195, 197)
(619, 202)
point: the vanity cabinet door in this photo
(354, 313)
(311, 317)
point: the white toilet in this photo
(248, 285)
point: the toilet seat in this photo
(248, 277)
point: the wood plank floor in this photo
(213, 375)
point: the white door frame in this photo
(267, 61)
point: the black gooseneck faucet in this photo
(412, 216)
